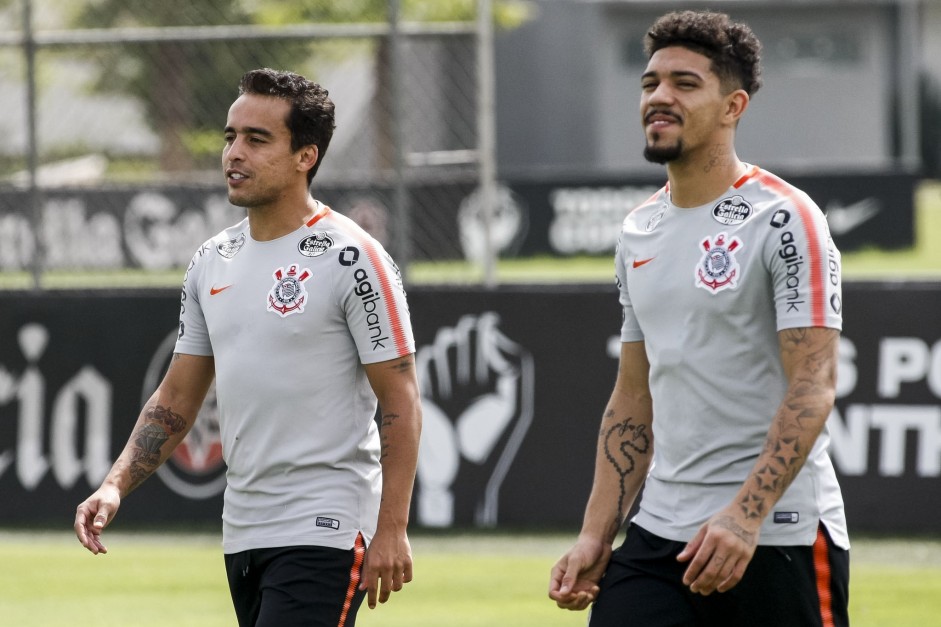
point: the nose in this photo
(233, 150)
(661, 94)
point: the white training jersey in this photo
(290, 323)
(708, 289)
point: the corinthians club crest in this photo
(718, 269)
(288, 295)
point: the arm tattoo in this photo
(385, 423)
(622, 443)
(159, 424)
(730, 524)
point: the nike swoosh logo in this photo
(843, 219)
(639, 262)
(215, 290)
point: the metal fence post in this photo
(32, 149)
(486, 128)
(403, 227)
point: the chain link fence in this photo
(113, 114)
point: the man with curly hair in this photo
(300, 317)
(730, 286)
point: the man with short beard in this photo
(730, 286)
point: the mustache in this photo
(662, 112)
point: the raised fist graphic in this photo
(477, 404)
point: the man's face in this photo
(259, 166)
(681, 104)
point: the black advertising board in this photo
(514, 381)
(160, 228)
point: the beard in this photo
(663, 154)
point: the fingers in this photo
(565, 590)
(715, 566)
(89, 536)
(380, 583)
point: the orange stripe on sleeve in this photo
(818, 295)
(385, 284)
(822, 569)
(356, 574)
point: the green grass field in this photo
(474, 580)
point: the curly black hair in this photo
(732, 47)
(311, 119)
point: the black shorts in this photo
(783, 586)
(296, 586)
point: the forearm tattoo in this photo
(384, 425)
(159, 424)
(623, 442)
(729, 523)
(799, 420)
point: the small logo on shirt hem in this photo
(789, 518)
(330, 523)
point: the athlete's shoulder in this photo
(768, 189)
(646, 210)
(225, 244)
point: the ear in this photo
(307, 157)
(736, 104)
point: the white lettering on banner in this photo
(587, 219)
(846, 373)
(73, 239)
(908, 360)
(88, 389)
(160, 236)
(157, 233)
(16, 242)
(850, 441)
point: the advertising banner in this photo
(514, 382)
(161, 227)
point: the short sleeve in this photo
(805, 268)
(630, 327)
(193, 334)
(373, 297)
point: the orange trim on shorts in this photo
(356, 575)
(822, 570)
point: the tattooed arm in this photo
(163, 423)
(724, 546)
(625, 448)
(388, 564)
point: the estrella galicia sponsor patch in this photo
(719, 269)
(349, 256)
(786, 518)
(229, 248)
(730, 211)
(315, 245)
(323, 521)
(288, 296)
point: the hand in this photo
(477, 398)
(93, 515)
(720, 552)
(573, 584)
(387, 568)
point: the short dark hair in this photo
(732, 47)
(311, 119)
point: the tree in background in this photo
(187, 87)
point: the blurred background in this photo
(473, 137)
(468, 131)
